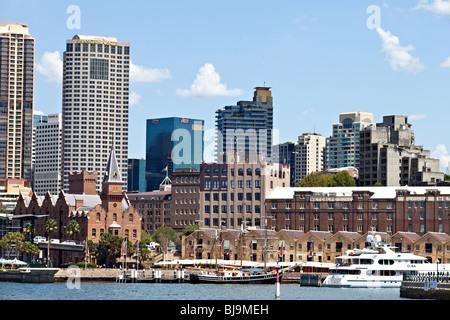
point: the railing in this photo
(441, 277)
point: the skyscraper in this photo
(95, 105)
(246, 127)
(305, 156)
(47, 156)
(16, 100)
(342, 148)
(172, 143)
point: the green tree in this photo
(341, 179)
(9, 239)
(189, 229)
(72, 228)
(314, 179)
(378, 184)
(165, 234)
(146, 237)
(109, 248)
(50, 227)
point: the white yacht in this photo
(378, 266)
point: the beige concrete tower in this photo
(16, 100)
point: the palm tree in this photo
(50, 227)
(9, 239)
(72, 228)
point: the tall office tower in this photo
(38, 117)
(390, 157)
(95, 105)
(172, 144)
(16, 100)
(304, 156)
(246, 128)
(136, 175)
(48, 148)
(343, 146)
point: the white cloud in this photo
(207, 84)
(143, 74)
(51, 66)
(438, 6)
(416, 117)
(134, 98)
(446, 63)
(442, 154)
(398, 56)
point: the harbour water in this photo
(185, 291)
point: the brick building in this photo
(234, 192)
(96, 214)
(298, 247)
(360, 209)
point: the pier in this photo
(426, 286)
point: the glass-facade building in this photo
(172, 143)
(136, 175)
(16, 100)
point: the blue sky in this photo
(321, 58)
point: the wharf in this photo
(426, 287)
(160, 276)
(118, 275)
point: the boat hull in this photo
(333, 281)
(250, 279)
(38, 275)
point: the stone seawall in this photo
(417, 290)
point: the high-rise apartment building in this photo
(172, 144)
(342, 148)
(389, 156)
(246, 127)
(48, 149)
(16, 100)
(95, 105)
(304, 156)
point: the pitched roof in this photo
(112, 173)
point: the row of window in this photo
(240, 196)
(216, 184)
(231, 208)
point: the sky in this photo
(321, 58)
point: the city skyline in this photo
(319, 59)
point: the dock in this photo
(427, 286)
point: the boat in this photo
(378, 266)
(19, 271)
(236, 275)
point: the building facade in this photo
(136, 175)
(16, 100)
(155, 208)
(342, 148)
(300, 247)
(47, 157)
(304, 156)
(109, 212)
(172, 144)
(360, 209)
(185, 199)
(246, 127)
(389, 156)
(234, 193)
(95, 105)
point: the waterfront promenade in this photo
(149, 275)
(426, 287)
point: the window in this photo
(130, 218)
(99, 69)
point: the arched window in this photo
(114, 217)
(98, 216)
(241, 172)
(258, 172)
(130, 218)
(249, 172)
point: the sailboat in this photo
(239, 275)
